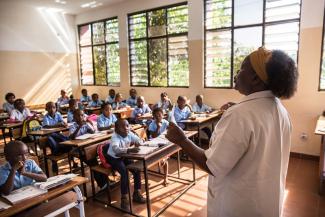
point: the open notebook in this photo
(55, 181)
(24, 193)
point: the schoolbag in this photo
(101, 152)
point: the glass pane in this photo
(100, 65)
(113, 64)
(283, 37)
(138, 56)
(86, 65)
(157, 23)
(177, 19)
(322, 75)
(217, 13)
(112, 30)
(178, 70)
(98, 33)
(218, 53)
(282, 10)
(245, 41)
(85, 35)
(248, 12)
(158, 62)
(137, 26)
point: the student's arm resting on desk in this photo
(8, 185)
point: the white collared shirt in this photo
(202, 109)
(248, 158)
(18, 116)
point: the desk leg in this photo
(147, 188)
(199, 135)
(36, 142)
(4, 135)
(80, 199)
(178, 164)
(82, 170)
(193, 166)
(45, 162)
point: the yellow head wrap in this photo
(258, 60)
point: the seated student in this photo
(18, 171)
(118, 103)
(84, 96)
(107, 119)
(9, 105)
(63, 100)
(95, 102)
(124, 141)
(199, 106)
(20, 113)
(72, 106)
(141, 109)
(182, 111)
(156, 128)
(132, 100)
(111, 96)
(164, 102)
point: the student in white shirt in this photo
(248, 158)
(199, 106)
(20, 113)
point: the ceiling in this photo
(70, 6)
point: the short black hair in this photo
(83, 90)
(119, 122)
(8, 95)
(156, 110)
(282, 74)
(17, 101)
(163, 94)
(104, 105)
(12, 145)
(72, 102)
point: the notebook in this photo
(23, 194)
(55, 181)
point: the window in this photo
(234, 28)
(99, 53)
(322, 64)
(158, 47)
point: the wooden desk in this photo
(53, 193)
(4, 116)
(123, 113)
(201, 121)
(320, 130)
(145, 161)
(10, 127)
(93, 110)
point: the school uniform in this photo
(85, 98)
(204, 108)
(7, 107)
(164, 105)
(70, 116)
(85, 128)
(132, 102)
(19, 180)
(181, 114)
(103, 121)
(62, 101)
(20, 116)
(110, 99)
(97, 103)
(153, 126)
(55, 139)
(119, 145)
(118, 105)
(144, 110)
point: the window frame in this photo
(147, 38)
(321, 55)
(232, 28)
(92, 45)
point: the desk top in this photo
(11, 125)
(48, 131)
(201, 118)
(320, 126)
(23, 205)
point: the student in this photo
(9, 105)
(199, 106)
(164, 102)
(84, 96)
(111, 96)
(107, 119)
(157, 127)
(182, 111)
(141, 109)
(132, 100)
(63, 100)
(95, 102)
(18, 171)
(118, 103)
(20, 113)
(124, 141)
(72, 106)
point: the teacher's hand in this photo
(175, 134)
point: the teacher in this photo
(249, 150)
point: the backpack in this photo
(101, 151)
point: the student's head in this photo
(78, 116)
(267, 70)
(84, 92)
(118, 97)
(122, 127)
(19, 104)
(15, 151)
(72, 104)
(163, 96)
(63, 93)
(106, 109)
(158, 114)
(10, 97)
(133, 93)
(50, 108)
(71, 96)
(94, 97)
(199, 99)
(181, 101)
(111, 93)
(140, 101)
